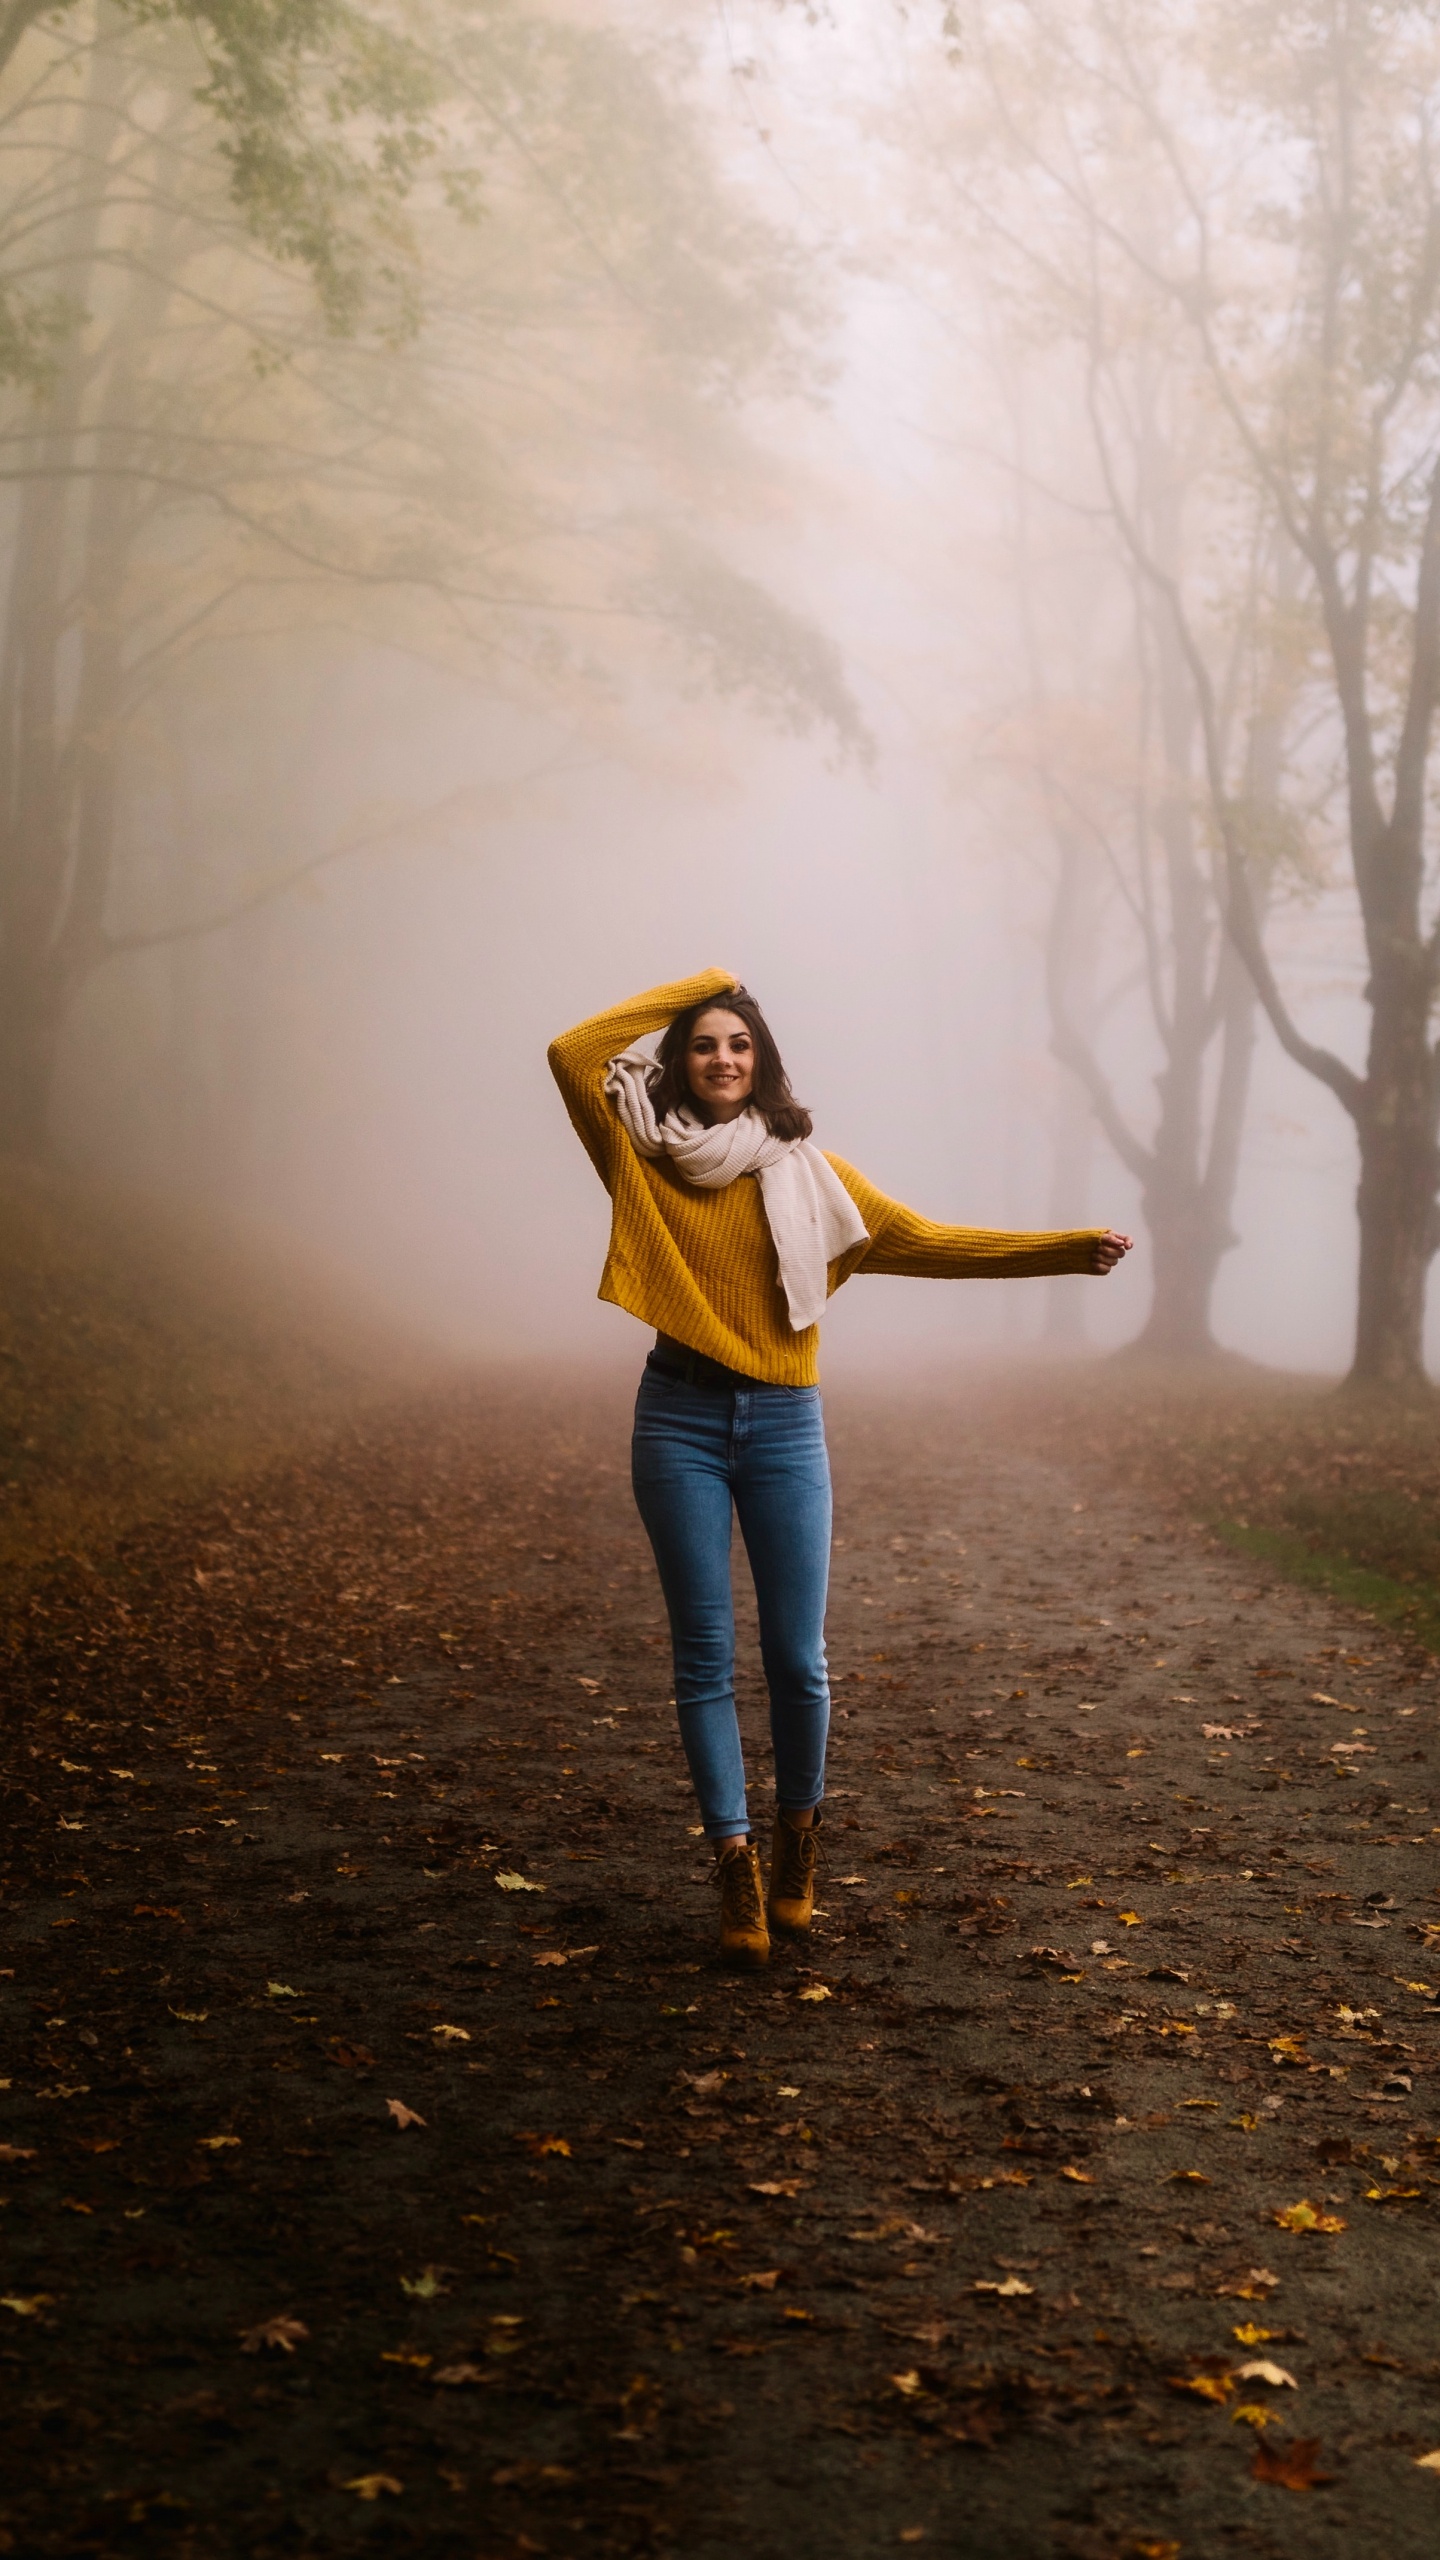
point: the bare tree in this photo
(1279, 213)
(494, 486)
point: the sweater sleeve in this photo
(578, 1058)
(902, 1242)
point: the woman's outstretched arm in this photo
(901, 1241)
(578, 1058)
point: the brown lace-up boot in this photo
(744, 1938)
(791, 1899)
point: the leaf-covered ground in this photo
(390, 2168)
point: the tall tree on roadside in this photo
(1282, 218)
(497, 472)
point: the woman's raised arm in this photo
(578, 1058)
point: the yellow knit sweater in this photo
(700, 1265)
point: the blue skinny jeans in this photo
(697, 1451)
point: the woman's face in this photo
(720, 1063)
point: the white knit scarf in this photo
(811, 1215)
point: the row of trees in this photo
(1205, 241)
(421, 326)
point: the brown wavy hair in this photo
(770, 1093)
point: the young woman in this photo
(729, 1231)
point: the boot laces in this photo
(739, 1882)
(800, 1852)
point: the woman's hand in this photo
(1111, 1248)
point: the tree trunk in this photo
(1399, 1170)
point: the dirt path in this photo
(949, 2232)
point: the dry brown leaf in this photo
(350, 2057)
(817, 1991)
(1263, 2371)
(26, 2306)
(545, 2146)
(775, 2187)
(402, 2114)
(1290, 2466)
(12, 2151)
(452, 2377)
(452, 2035)
(1205, 2386)
(282, 2332)
(1011, 2286)
(1427, 2461)
(1256, 2285)
(765, 2283)
(375, 2484)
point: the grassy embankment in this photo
(1331, 1488)
(145, 1359)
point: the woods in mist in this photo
(517, 348)
(434, 362)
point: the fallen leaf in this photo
(591, 1685)
(510, 1881)
(1253, 2413)
(910, 2383)
(817, 1991)
(190, 2017)
(281, 2332)
(1290, 2466)
(554, 1956)
(26, 2305)
(705, 2083)
(1303, 2217)
(12, 2151)
(1012, 2285)
(544, 2146)
(765, 2283)
(424, 2287)
(452, 2376)
(1132, 1919)
(1427, 2461)
(374, 2484)
(775, 2187)
(452, 2035)
(1288, 2048)
(282, 1991)
(1080, 2177)
(1256, 2286)
(406, 2355)
(403, 2115)
(1263, 2371)
(1206, 2386)
(219, 2142)
(350, 2057)
(1187, 2178)
(1249, 2335)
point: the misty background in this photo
(645, 599)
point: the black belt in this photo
(676, 1360)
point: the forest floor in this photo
(390, 2168)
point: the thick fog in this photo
(490, 838)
